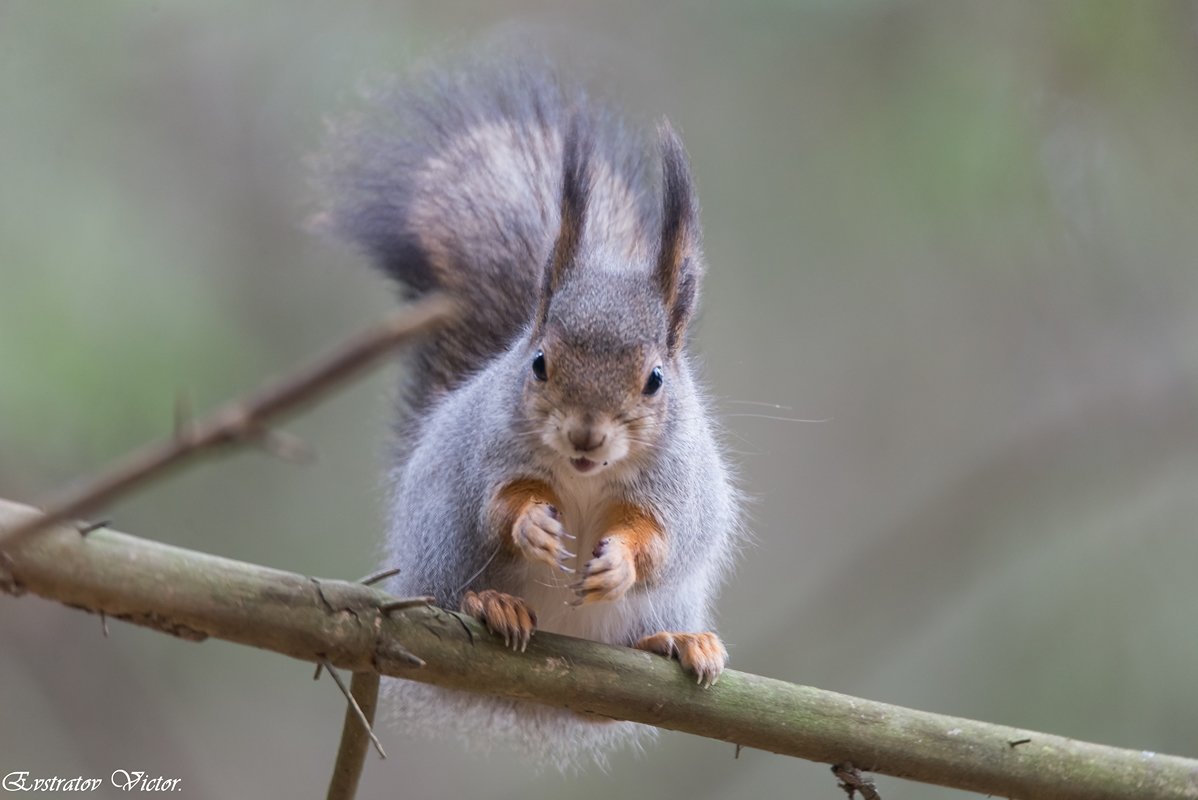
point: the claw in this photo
(539, 534)
(505, 616)
(703, 655)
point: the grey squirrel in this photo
(557, 467)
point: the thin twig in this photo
(351, 753)
(364, 686)
(242, 420)
(354, 704)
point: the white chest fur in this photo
(584, 503)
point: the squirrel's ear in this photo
(678, 260)
(576, 189)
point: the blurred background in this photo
(962, 234)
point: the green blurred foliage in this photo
(960, 232)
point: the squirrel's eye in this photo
(538, 367)
(654, 382)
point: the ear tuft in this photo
(576, 191)
(678, 267)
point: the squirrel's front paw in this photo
(701, 654)
(609, 575)
(539, 535)
(503, 614)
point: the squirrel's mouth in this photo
(583, 465)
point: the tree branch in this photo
(243, 420)
(195, 595)
(355, 738)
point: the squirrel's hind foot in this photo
(504, 615)
(701, 654)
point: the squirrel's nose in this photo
(586, 438)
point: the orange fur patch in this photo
(513, 500)
(642, 535)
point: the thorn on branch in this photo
(394, 651)
(354, 704)
(85, 528)
(368, 580)
(8, 581)
(285, 446)
(850, 780)
(406, 602)
(382, 575)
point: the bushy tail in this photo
(541, 735)
(453, 182)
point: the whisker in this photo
(759, 403)
(780, 419)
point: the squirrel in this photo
(557, 465)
